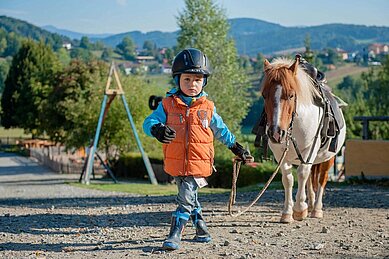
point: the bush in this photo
(248, 175)
(131, 165)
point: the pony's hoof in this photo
(286, 218)
(317, 214)
(300, 215)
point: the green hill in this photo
(28, 30)
(252, 36)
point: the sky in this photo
(116, 16)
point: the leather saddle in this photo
(333, 120)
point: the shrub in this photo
(248, 175)
(131, 165)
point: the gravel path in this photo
(41, 217)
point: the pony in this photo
(293, 114)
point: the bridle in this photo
(289, 137)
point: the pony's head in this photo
(283, 84)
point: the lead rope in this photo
(235, 173)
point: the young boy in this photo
(186, 123)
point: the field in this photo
(334, 77)
(13, 133)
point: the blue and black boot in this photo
(179, 220)
(202, 234)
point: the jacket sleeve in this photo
(221, 131)
(158, 116)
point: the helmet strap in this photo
(176, 79)
(205, 81)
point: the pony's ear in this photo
(266, 64)
(294, 66)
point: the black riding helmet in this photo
(191, 61)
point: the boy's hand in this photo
(242, 153)
(163, 133)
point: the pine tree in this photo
(27, 86)
(204, 26)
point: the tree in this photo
(4, 67)
(204, 26)
(168, 54)
(84, 43)
(83, 54)
(150, 48)
(29, 82)
(63, 56)
(75, 107)
(13, 44)
(126, 48)
(308, 55)
(368, 96)
(258, 63)
(106, 55)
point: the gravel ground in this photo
(41, 217)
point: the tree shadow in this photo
(49, 224)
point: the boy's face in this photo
(191, 84)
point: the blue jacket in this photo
(218, 127)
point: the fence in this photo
(7, 141)
(61, 161)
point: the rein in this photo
(235, 173)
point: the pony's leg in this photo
(287, 182)
(300, 208)
(324, 167)
(311, 186)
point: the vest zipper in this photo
(186, 141)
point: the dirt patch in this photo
(40, 217)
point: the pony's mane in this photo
(304, 87)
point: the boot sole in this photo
(170, 246)
(203, 239)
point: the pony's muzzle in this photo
(276, 134)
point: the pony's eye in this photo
(291, 96)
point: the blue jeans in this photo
(187, 194)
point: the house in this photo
(133, 68)
(67, 46)
(377, 48)
(342, 53)
(166, 69)
(144, 59)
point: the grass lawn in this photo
(13, 133)
(166, 189)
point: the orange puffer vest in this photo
(191, 153)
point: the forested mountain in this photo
(74, 35)
(161, 39)
(251, 35)
(25, 29)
